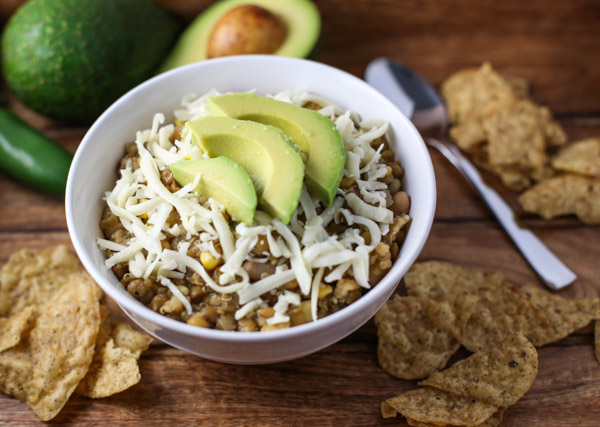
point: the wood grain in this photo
(552, 43)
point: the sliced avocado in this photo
(223, 180)
(299, 17)
(316, 136)
(274, 165)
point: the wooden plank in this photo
(550, 43)
(342, 385)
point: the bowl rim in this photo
(130, 305)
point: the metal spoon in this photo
(419, 101)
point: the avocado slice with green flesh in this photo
(274, 165)
(222, 179)
(70, 59)
(315, 135)
(300, 17)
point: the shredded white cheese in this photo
(176, 293)
(281, 306)
(302, 250)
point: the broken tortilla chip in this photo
(387, 411)
(114, 367)
(440, 408)
(493, 421)
(409, 345)
(564, 195)
(493, 118)
(581, 157)
(442, 280)
(457, 93)
(499, 375)
(502, 311)
(515, 137)
(553, 131)
(127, 337)
(468, 134)
(519, 85)
(474, 94)
(452, 315)
(565, 316)
(32, 277)
(56, 350)
(11, 328)
(113, 370)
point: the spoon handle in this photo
(552, 271)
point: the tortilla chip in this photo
(387, 411)
(494, 120)
(553, 132)
(113, 370)
(441, 280)
(499, 375)
(456, 91)
(475, 94)
(597, 339)
(437, 407)
(502, 311)
(451, 316)
(565, 316)
(582, 157)
(493, 421)
(512, 177)
(409, 345)
(32, 277)
(412, 422)
(11, 328)
(491, 92)
(515, 137)
(564, 195)
(468, 134)
(56, 350)
(114, 367)
(519, 85)
(127, 337)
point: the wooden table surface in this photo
(556, 45)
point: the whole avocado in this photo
(70, 59)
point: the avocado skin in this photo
(70, 59)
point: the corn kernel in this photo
(208, 260)
(324, 290)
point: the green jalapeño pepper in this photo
(30, 157)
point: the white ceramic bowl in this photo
(93, 173)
